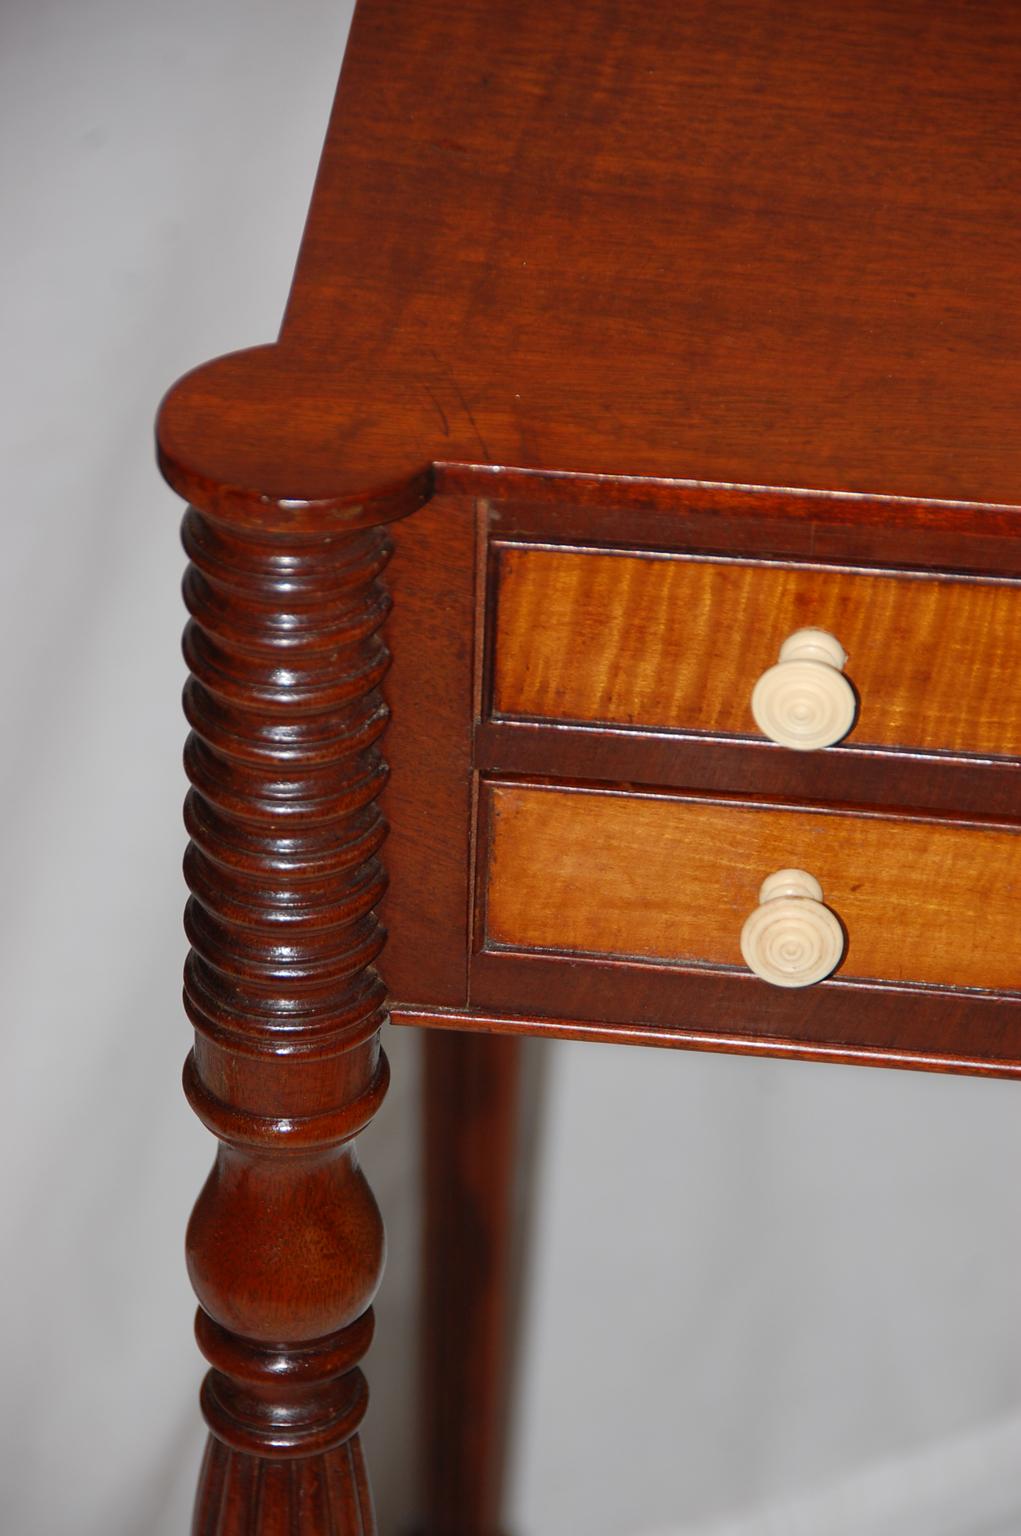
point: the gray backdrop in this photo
(769, 1300)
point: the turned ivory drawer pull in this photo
(805, 702)
(792, 939)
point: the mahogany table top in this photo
(728, 241)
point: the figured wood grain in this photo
(579, 254)
(679, 642)
(743, 243)
(673, 878)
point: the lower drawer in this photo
(672, 878)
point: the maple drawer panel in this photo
(677, 642)
(672, 878)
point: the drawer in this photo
(676, 642)
(672, 878)
(542, 897)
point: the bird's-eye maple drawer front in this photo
(678, 642)
(672, 878)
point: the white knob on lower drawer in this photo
(805, 702)
(791, 939)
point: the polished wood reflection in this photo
(673, 877)
(678, 642)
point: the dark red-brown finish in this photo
(737, 242)
(430, 633)
(471, 1256)
(587, 274)
(285, 1247)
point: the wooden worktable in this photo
(648, 335)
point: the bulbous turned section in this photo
(306, 1274)
(285, 1246)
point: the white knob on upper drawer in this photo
(805, 702)
(791, 939)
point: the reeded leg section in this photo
(285, 1247)
(239, 1493)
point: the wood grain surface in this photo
(661, 759)
(428, 796)
(285, 1244)
(479, 1146)
(673, 878)
(732, 242)
(574, 254)
(673, 641)
(712, 1010)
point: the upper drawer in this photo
(678, 642)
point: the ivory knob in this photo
(805, 702)
(792, 939)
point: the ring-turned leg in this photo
(477, 1165)
(285, 1247)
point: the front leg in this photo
(285, 1247)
